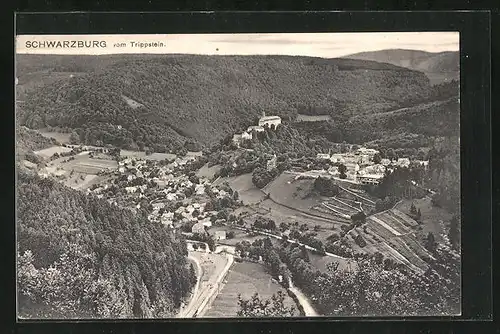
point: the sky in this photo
(325, 45)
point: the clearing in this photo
(312, 118)
(48, 152)
(245, 278)
(142, 155)
(208, 172)
(131, 103)
(62, 138)
(243, 184)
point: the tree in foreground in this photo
(257, 307)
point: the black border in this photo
(475, 32)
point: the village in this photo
(213, 212)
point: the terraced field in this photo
(392, 234)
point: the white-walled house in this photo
(270, 120)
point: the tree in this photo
(413, 209)
(342, 170)
(377, 158)
(418, 215)
(230, 235)
(326, 187)
(430, 242)
(74, 138)
(256, 307)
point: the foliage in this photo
(170, 95)
(256, 307)
(326, 187)
(261, 177)
(82, 257)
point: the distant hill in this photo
(180, 98)
(439, 67)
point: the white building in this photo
(220, 235)
(324, 156)
(256, 128)
(370, 178)
(237, 139)
(131, 190)
(385, 162)
(337, 158)
(246, 135)
(269, 120)
(369, 151)
(403, 162)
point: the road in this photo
(195, 294)
(303, 300)
(205, 292)
(215, 288)
(293, 242)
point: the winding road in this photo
(303, 300)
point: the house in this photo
(424, 163)
(271, 163)
(370, 178)
(385, 162)
(206, 222)
(131, 190)
(403, 162)
(324, 156)
(269, 120)
(369, 151)
(199, 189)
(337, 158)
(246, 135)
(220, 235)
(237, 139)
(256, 128)
(198, 228)
(158, 206)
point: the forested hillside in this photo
(80, 257)
(159, 102)
(28, 140)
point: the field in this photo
(321, 262)
(393, 234)
(431, 216)
(62, 138)
(243, 184)
(308, 118)
(142, 155)
(245, 278)
(208, 172)
(85, 165)
(48, 152)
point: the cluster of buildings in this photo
(162, 186)
(360, 165)
(263, 122)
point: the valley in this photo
(301, 196)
